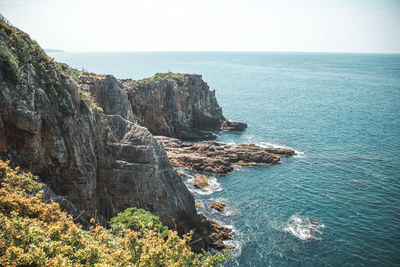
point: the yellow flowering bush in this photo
(35, 233)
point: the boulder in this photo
(219, 206)
(233, 126)
(200, 181)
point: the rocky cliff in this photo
(168, 104)
(83, 135)
(176, 105)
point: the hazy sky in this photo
(250, 25)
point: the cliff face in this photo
(176, 105)
(80, 134)
(169, 104)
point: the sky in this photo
(359, 26)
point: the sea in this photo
(337, 202)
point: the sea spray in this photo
(304, 228)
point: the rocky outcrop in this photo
(83, 135)
(233, 126)
(177, 105)
(219, 206)
(219, 158)
(200, 181)
(213, 233)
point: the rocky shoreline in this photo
(216, 158)
(219, 158)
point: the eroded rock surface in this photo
(219, 158)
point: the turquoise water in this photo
(335, 204)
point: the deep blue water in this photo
(335, 204)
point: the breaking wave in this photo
(304, 228)
(299, 154)
(214, 186)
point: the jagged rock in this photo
(176, 105)
(26, 120)
(214, 234)
(233, 126)
(200, 163)
(200, 181)
(111, 97)
(73, 90)
(219, 206)
(181, 173)
(219, 158)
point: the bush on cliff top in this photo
(166, 76)
(36, 233)
(137, 220)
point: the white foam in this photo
(229, 211)
(304, 228)
(214, 186)
(299, 154)
(237, 251)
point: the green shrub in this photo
(137, 220)
(166, 76)
(96, 108)
(8, 64)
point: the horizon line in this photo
(217, 51)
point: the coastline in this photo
(202, 164)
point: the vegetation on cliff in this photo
(168, 75)
(23, 62)
(20, 54)
(33, 232)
